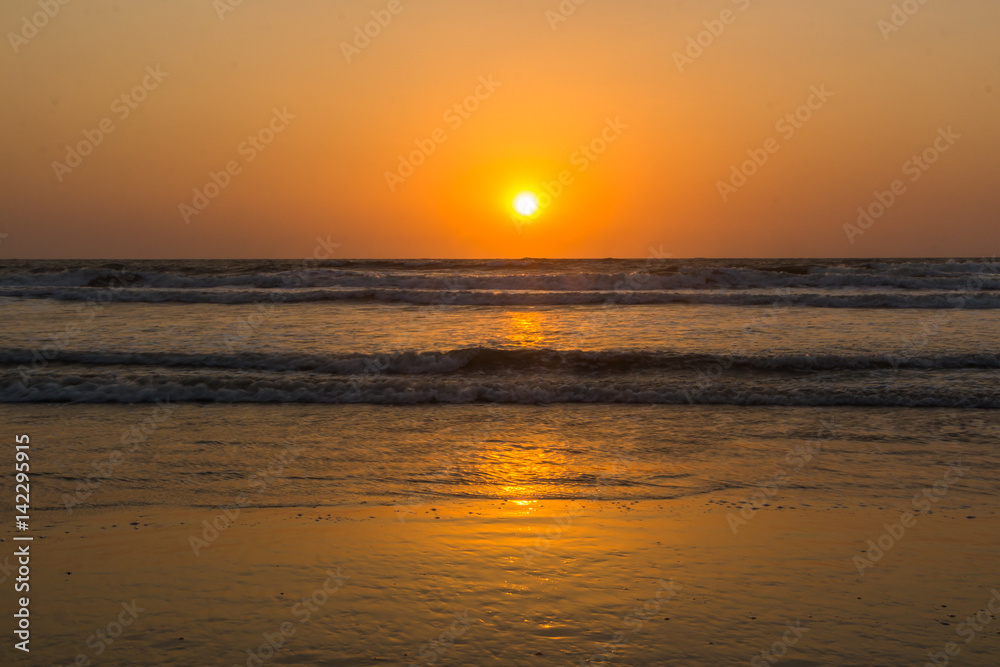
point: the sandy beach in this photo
(505, 583)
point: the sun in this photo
(526, 204)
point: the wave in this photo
(529, 275)
(829, 299)
(75, 389)
(501, 376)
(497, 361)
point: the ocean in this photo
(892, 333)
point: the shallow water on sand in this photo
(305, 456)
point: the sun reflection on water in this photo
(522, 476)
(525, 329)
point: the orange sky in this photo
(673, 122)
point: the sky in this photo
(405, 128)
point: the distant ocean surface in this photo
(888, 333)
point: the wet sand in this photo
(489, 582)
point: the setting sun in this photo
(526, 204)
